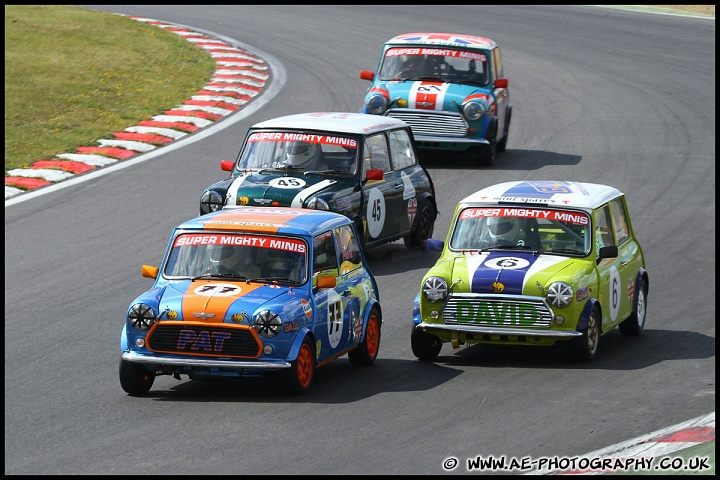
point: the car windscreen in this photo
(299, 152)
(444, 64)
(561, 231)
(238, 256)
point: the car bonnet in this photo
(215, 301)
(505, 271)
(283, 189)
(433, 95)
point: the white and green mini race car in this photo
(533, 263)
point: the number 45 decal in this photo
(376, 210)
(287, 182)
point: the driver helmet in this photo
(300, 153)
(503, 228)
(277, 260)
(226, 255)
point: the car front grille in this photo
(202, 339)
(432, 123)
(511, 311)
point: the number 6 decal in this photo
(614, 292)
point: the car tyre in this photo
(425, 347)
(424, 226)
(586, 346)
(135, 379)
(486, 152)
(502, 144)
(366, 353)
(301, 373)
(633, 325)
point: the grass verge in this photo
(73, 76)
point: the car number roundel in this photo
(335, 318)
(287, 182)
(614, 292)
(375, 214)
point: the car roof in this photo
(339, 122)
(586, 196)
(280, 220)
(447, 39)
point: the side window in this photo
(603, 231)
(324, 257)
(376, 154)
(350, 257)
(403, 155)
(497, 64)
(619, 216)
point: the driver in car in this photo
(306, 156)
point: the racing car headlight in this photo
(210, 201)
(268, 323)
(376, 104)
(435, 289)
(560, 294)
(317, 204)
(473, 111)
(141, 316)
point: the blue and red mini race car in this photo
(450, 88)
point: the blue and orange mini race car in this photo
(450, 88)
(249, 291)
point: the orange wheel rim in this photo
(305, 366)
(373, 336)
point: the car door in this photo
(502, 95)
(332, 329)
(382, 199)
(414, 180)
(611, 281)
(357, 284)
(629, 258)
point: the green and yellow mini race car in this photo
(533, 263)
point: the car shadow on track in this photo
(397, 258)
(340, 382)
(509, 160)
(617, 352)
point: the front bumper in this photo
(204, 363)
(510, 332)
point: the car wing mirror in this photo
(374, 174)
(501, 83)
(367, 75)
(608, 252)
(435, 245)
(149, 271)
(326, 281)
(227, 165)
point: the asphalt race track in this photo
(600, 95)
